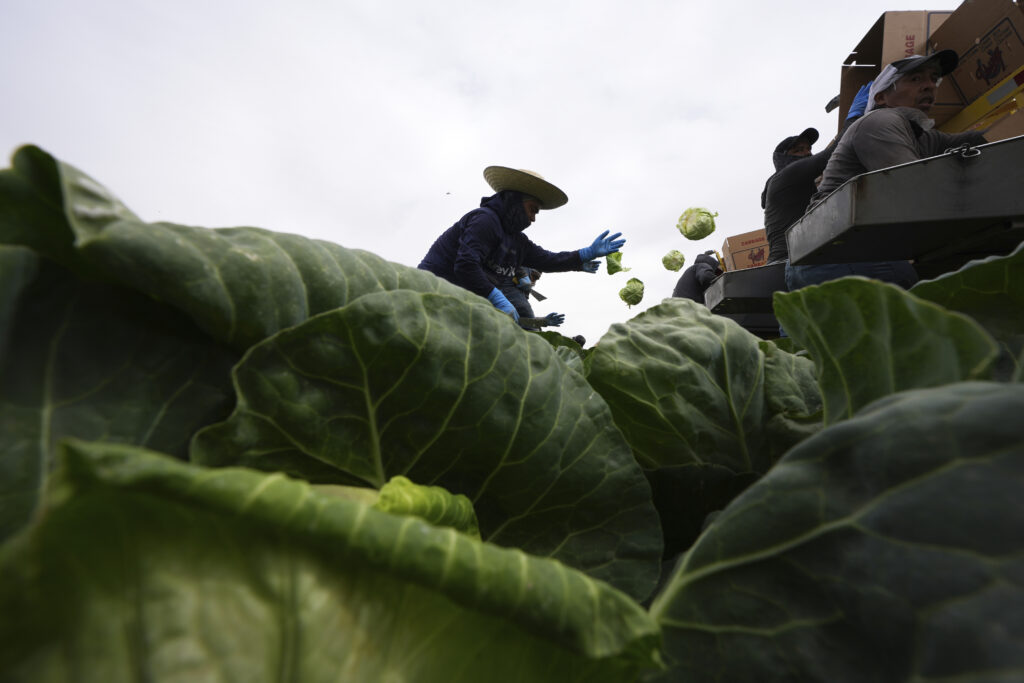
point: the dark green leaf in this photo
(792, 397)
(992, 292)
(240, 285)
(684, 386)
(32, 208)
(96, 362)
(453, 394)
(688, 390)
(18, 269)
(887, 547)
(559, 340)
(870, 339)
(787, 344)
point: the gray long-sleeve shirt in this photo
(883, 138)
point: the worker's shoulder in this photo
(890, 117)
(878, 125)
(799, 169)
(482, 214)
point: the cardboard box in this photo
(1009, 126)
(986, 113)
(894, 36)
(988, 35)
(745, 251)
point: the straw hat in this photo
(528, 182)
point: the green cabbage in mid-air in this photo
(673, 260)
(696, 223)
(633, 292)
(615, 263)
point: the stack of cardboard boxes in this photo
(983, 93)
(989, 37)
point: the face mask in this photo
(514, 218)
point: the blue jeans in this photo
(519, 299)
(897, 272)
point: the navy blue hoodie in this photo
(698, 277)
(484, 247)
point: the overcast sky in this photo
(369, 123)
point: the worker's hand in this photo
(554, 319)
(591, 266)
(602, 246)
(860, 102)
(525, 284)
(499, 301)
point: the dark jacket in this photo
(696, 279)
(888, 137)
(484, 248)
(787, 193)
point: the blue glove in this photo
(602, 246)
(525, 283)
(499, 301)
(554, 319)
(860, 102)
(591, 266)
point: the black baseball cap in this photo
(810, 136)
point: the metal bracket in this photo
(964, 151)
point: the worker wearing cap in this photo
(696, 279)
(787, 192)
(483, 250)
(894, 130)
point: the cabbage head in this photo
(615, 263)
(673, 260)
(633, 292)
(696, 223)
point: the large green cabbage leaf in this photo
(991, 291)
(32, 209)
(146, 568)
(705, 405)
(94, 361)
(887, 547)
(18, 268)
(870, 339)
(243, 285)
(240, 285)
(450, 393)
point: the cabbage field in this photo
(242, 455)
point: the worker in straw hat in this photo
(482, 251)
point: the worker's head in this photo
(794, 147)
(711, 258)
(531, 205)
(911, 82)
(801, 148)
